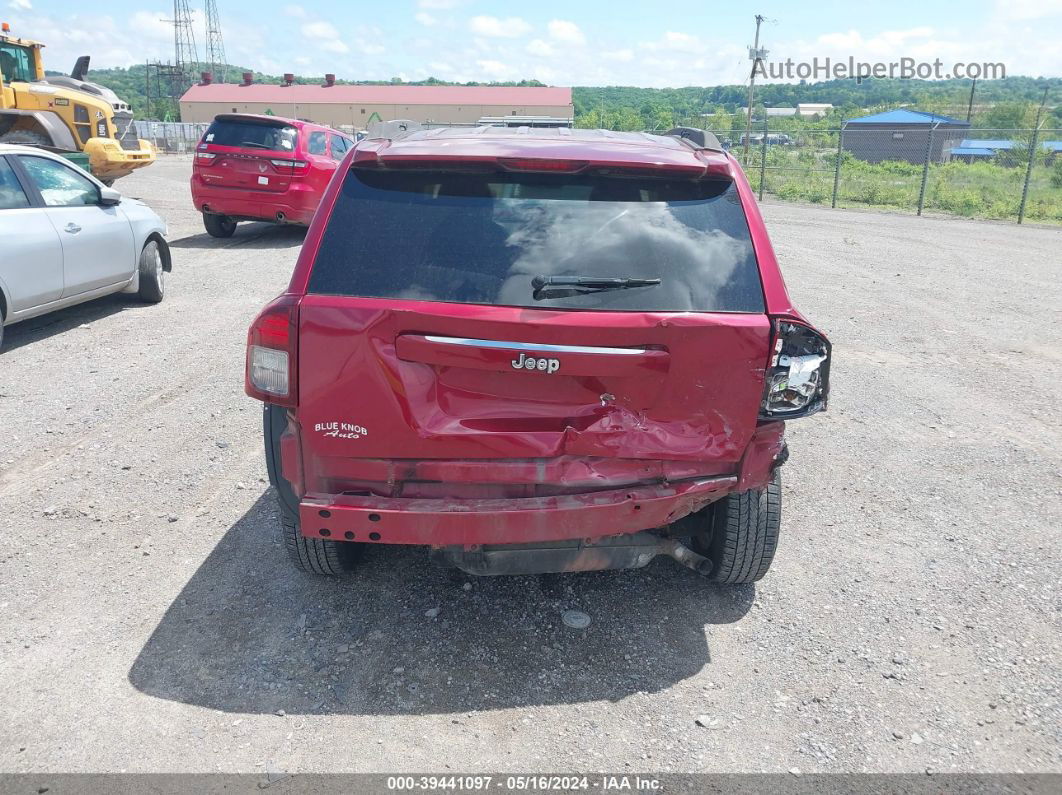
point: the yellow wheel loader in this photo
(66, 114)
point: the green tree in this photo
(1010, 116)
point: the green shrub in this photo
(1056, 173)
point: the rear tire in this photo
(28, 137)
(152, 273)
(218, 225)
(318, 555)
(743, 533)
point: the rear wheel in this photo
(314, 555)
(29, 137)
(218, 225)
(152, 273)
(317, 555)
(742, 535)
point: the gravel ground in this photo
(149, 620)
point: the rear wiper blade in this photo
(563, 286)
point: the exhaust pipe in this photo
(614, 552)
(281, 218)
(686, 556)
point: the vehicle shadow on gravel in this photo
(250, 634)
(63, 320)
(251, 235)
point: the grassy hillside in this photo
(1004, 103)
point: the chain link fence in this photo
(976, 173)
(171, 136)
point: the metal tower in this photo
(215, 46)
(186, 58)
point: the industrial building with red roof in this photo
(358, 105)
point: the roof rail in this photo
(699, 139)
(394, 129)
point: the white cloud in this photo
(496, 70)
(20, 5)
(296, 11)
(672, 42)
(151, 25)
(320, 30)
(426, 19)
(369, 48)
(325, 36)
(565, 31)
(1027, 9)
(333, 45)
(508, 28)
(623, 56)
(542, 49)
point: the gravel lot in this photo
(150, 621)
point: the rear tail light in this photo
(542, 164)
(798, 378)
(269, 370)
(272, 346)
(205, 156)
(286, 162)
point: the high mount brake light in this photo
(542, 164)
(798, 378)
(272, 346)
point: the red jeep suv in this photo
(263, 168)
(535, 350)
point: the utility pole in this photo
(969, 107)
(1032, 155)
(755, 55)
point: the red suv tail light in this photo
(297, 166)
(272, 353)
(798, 376)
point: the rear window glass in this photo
(482, 238)
(252, 135)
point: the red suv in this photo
(263, 168)
(535, 351)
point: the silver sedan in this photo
(65, 238)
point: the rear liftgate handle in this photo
(545, 358)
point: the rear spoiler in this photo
(253, 118)
(709, 156)
(698, 139)
(394, 129)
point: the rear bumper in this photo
(470, 522)
(297, 205)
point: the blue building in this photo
(902, 134)
(974, 150)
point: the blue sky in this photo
(589, 42)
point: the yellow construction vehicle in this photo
(66, 114)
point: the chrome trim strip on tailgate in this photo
(534, 346)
